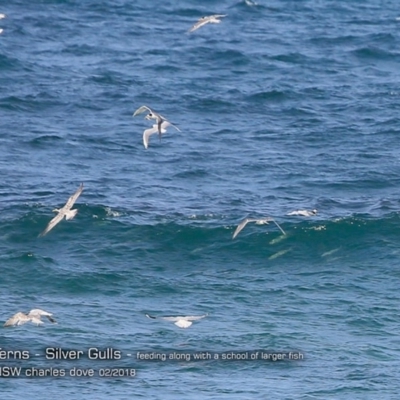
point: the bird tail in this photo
(71, 214)
(183, 324)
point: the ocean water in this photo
(284, 105)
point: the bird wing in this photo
(171, 318)
(165, 124)
(169, 123)
(278, 226)
(141, 110)
(17, 319)
(148, 132)
(240, 227)
(52, 223)
(247, 220)
(51, 319)
(202, 21)
(218, 15)
(74, 197)
(166, 318)
(195, 317)
(37, 313)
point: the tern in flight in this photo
(303, 213)
(182, 322)
(160, 126)
(153, 115)
(64, 211)
(34, 316)
(211, 19)
(258, 221)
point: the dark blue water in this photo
(284, 105)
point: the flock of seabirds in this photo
(66, 211)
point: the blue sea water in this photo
(284, 105)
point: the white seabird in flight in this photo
(160, 127)
(34, 316)
(303, 213)
(211, 19)
(182, 322)
(64, 211)
(258, 221)
(151, 115)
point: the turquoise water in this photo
(284, 105)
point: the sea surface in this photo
(284, 105)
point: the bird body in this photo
(34, 316)
(148, 132)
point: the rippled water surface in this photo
(284, 105)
